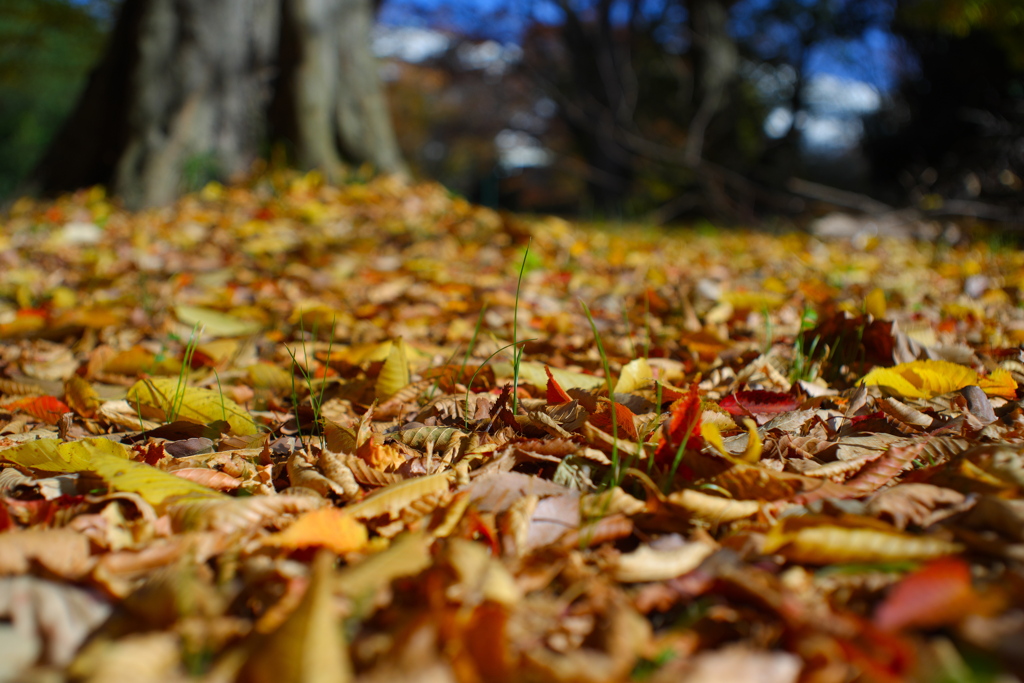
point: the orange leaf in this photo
(999, 383)
(327, 527)
(45, 408)
(938, 594)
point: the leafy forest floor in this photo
(290, 432)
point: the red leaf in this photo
(150, 453)
(45, 408)
(881, 657)
(683, 426)
(624, 421)
(556, 394)
(857, 419)
(938, 594)
(758, 403)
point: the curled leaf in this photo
(820, 540)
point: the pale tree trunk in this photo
(191, 90)
(329, 82)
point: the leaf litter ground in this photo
(290, 432)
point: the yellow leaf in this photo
(109, 461)
(753, 301)
(137, 360)
(714, 509)
(395, 373)
(327, 527)
(714, 437)
(50, 455)
(272, 377)
(309, 647)
(172, 399)
(922, 378)
(155, 486)
(647, 564)
(821, 540)
(874, 303)
(408, 555)
(635, 375)
(752, 453)
(357, 354)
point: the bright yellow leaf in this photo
(874, 303)
(922, 378)
(395, 373)
(635, 375)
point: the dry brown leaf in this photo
(713, 509)
(392, 499)
(62, 552)
(303, 472)
(218, 481)
(916, 504)
(237, 514)
(498, 491)
(51, 619)
(649, 564)
(309, 646)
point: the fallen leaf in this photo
(326, 527)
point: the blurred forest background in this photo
(660, 109)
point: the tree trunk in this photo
(192, 90)
(330, 104)
(716, 62)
